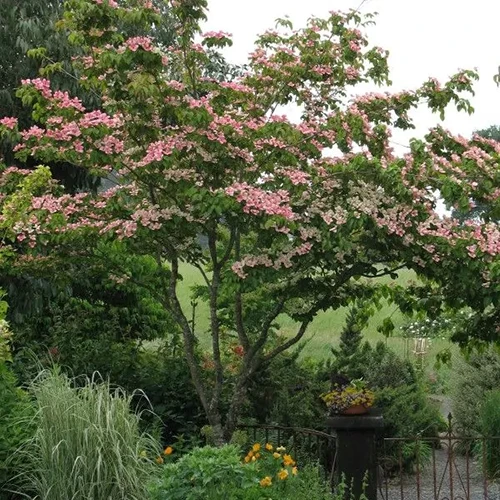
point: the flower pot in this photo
(355, 410)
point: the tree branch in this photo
(289, 342)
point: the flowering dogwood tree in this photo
(278, 216)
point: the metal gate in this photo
(453, 466)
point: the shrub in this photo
(403, 401)
(490, 426)
(407, 413)
(15, 427)
(473, 379)
(213, 473)
(287, 393)
(384, 368)
(87, 443)
(15, 413)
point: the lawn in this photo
(324, 332)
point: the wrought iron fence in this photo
(305, 445)
(453, 466)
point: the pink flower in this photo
(351, 73)
(354, 46)
(217, 34)
(9, 122)
(143, 42)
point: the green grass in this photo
(324, 332)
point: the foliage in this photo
(474, 377)
(408, 412)
(208, 173)
(87, 443)
(286, 393)
(15, 419)
(403, 402)
(212, 473)
(384, 368)
(480, 210)
(348, 358)
(169, 394)
(490, 427)
(444, 327)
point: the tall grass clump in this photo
(87, 445)
(490, 428)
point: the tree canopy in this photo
(279, 216)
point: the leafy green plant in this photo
(407, 412)
(87, 443)
(15, 413)
(211, 473)
(490, 427)
(16, 428)
(473, 378)
(287, 393)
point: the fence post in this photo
(357, 451)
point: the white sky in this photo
(425, 38)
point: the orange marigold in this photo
(267, 481)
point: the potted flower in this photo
(349, 398)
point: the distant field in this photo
(324, 332)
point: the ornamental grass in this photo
(87, 445)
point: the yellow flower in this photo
(253, 459)
(267, 481)
(283, 474)
(159, 460)
(276, 455)
(256, 447)
(247, 459)
(168, 450)
(288, 460)
(250, 453)
(295, 471)
(143, 454)
(257, 455)
(280, 448)
(269, 447)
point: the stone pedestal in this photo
(357, 451)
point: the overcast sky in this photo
(425, 38)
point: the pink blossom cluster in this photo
(219, 35)
(284, 259)
(136, 42)
(354, 46)
(34, 131)
(110, 145)
(296, 176)
(238, 87)
(65, 101)
(158, 150)
(65, 133)
(41, 84)
(257, 201)
(96, 118)
(111, 3)
(351, 73)
(9, 122)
